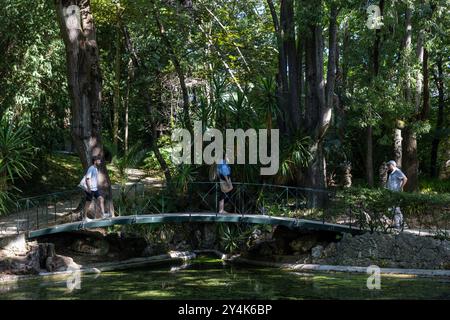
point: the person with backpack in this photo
(224, 174)
(90, 186)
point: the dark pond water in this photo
(206, 278)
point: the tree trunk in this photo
(301, 78)
(116, 103)
(332, 57)
(369, 130)
(369, 155)
(398, 152)
(410, 157)
(383, 174)
(318, 109)
(341, 78)
(289, 43)
(439, 80)
(406, 46)
(424, 114)
(282, 77)
(127, 104)
(410, 161)
(347, 166)
(85, 85)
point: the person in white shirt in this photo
(92, 190)
(395, 182)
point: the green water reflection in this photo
(211, 279)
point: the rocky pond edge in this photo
(180, 256)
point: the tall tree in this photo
(288, 76)
(319, 100)
(369, 129)
(439, 81)
(117, 71)
(85, 84)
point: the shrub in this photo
(15, 159)
(370, 208)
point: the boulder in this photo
(15, 244)
(60, 263)
(317, 251)
(208, 236)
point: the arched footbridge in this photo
(292, 207)
(291, 223)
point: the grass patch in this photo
(57, 172)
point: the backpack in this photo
(226, 186)
(83, 184)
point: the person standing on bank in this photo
(224, 173)
(90, 186)
(396, 182)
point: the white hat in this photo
(392, 162)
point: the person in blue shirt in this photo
(224, 174)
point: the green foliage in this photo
(15, 159)
(371, 208)
(150, 162)
(184, 175)
(131, 159)
(434, 186)
(228, 54)
(294, 155)
(232, 237)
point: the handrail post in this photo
(37, 216)
(46, 212)
(287, 196)
(28, 214)
(55, 208)
(18, 217)
(239, 200)
(71, 211)
(215, 191)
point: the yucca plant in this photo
(231, 237)
(294, 155)
(15, 160)
(264, 97)
(131, 159)
(184, 175)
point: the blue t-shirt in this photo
(223, 168)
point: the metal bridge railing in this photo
(197, 197)
(46, 210)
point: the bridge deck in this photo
(196, 217)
